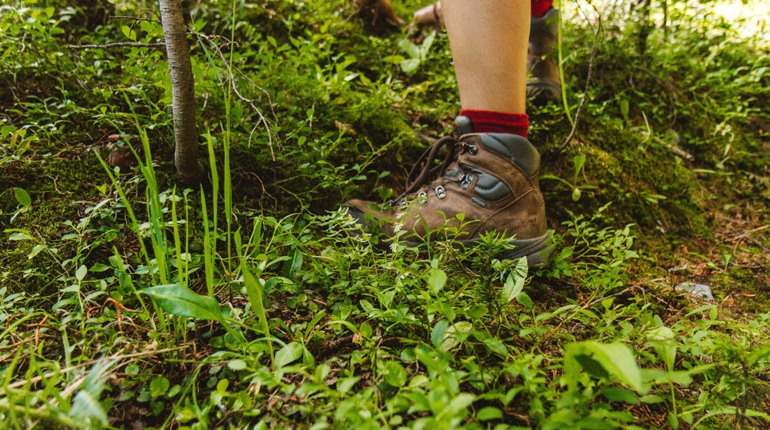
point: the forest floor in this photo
(128, 300)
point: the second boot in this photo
(543, 79)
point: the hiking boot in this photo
(543, 80)
(491, 178)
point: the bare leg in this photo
(489, 41)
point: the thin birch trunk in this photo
(182, 90)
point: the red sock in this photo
(486, 121)
(540, 7)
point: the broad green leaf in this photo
(22, 196)
(455, 334)
(492, 343)
(620, 394)
(410, 65)
(158, 386)
(410, 49)
(236, 364)
(439, 330)
(289, 353)
(600, 360)
(35, 250)
(436, 280)
(524, 300)
(19, 235)
(99, 267)
(81, 272)
(179, 300)
(489, 413)
(461, 401)
(345, 384)
(128, 32)
(395, 374)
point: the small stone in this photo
(701, 291)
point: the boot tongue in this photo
(464, 125)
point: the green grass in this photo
(254, 302)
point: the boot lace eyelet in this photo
(422, 197)
(466, 182)
(440, 192)
(472, 149)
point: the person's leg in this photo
(489, 45)
(544, 82)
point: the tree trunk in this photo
(182, 91)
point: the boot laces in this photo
(424, 169)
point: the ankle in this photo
(485, 121)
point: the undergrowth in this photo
(127, 301)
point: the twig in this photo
(233, 85)
(119, 45)
(588, 82)
(136, 18)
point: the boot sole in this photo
(537, 250)
(543, 89)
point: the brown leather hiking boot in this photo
(491, 178)
(544, 81)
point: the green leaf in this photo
(439, 330)
(289, 353)
(293, 265)
(128, 32)
(35, 250)
(345, 384)
(462, 401)
(525, 300)
(236, 364)
(410, 49)
(395, 374)
(22, 196)
(578, 162)
(179, 300)
(624, 109)
(19, 235)
(620, 394)
(158, 386)
(436, 280)
(426, 44)
(455, 334)
(410, 65)
(492, 343)
(514, 284)
(81, 272)
(489, 413)
(602, 360)
(99, 267)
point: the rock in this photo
(701, 291)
